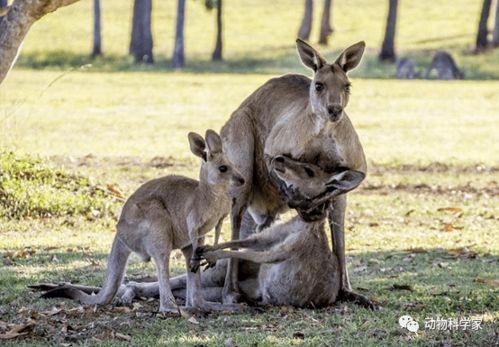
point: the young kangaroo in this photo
(286, 264)
(169, 213)
(305, 120)
(406, 69)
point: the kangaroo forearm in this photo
(247, 243)
(254, 256)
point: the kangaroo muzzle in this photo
(237, 180)
(334, 112)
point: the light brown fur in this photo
(290, 116)
(286, 264)
(168, 213)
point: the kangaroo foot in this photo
(208, 306)
(359, 299)
(169, 310)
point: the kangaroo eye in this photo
(319, 86)
(223, 168)
(309, 172)
(347, 88)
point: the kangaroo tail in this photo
(114, 276)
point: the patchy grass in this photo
(31, 189)
(400, 249)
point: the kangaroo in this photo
(305, 120)
(286, 264)
(172, 212)
(445, 66)
(297, 266)
(406, 69)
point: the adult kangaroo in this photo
(303, 119)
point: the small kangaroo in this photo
(297, 267)
(406, 69)
(168, 213)
(305, 120)
(446, 67)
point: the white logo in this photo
(409, 323)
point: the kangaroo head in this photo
(216, 169)
(305, 181)
(330, 87)
(302, 180)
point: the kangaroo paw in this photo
(359, 299)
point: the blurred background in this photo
(258, 35)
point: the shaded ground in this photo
(419, 250)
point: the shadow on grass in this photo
(274, 62)
(433, 283)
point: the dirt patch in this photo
(467, 190)
(377, 169)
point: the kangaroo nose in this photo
(240, 181)
(334, 111)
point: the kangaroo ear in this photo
(198, 146)
(309, 56)
(346, 180)
(213, 141)
(350, 57)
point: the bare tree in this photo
(388, 47)
(306, 23)
(16, 24)
(217, 53)
(481, 36)
(178, 60)
(495, 32)
(97, 44)
(326, 28)
(141, 43)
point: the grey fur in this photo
(288, 116)
(446, 67)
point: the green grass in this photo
(70, 136)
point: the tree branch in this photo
(16, 24)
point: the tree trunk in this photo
(388, 47)
(326, 28)
(306, 23)
(495, 33)
(97, 45)
(178, 60)
(16, 24)
(481, 37)
(217, 53)
(141, 42)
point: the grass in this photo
(74, 140)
